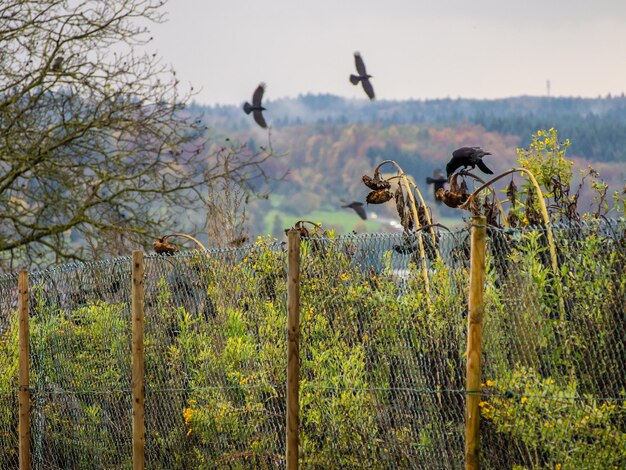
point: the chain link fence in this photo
(383, 322)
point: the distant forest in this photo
(595, 126)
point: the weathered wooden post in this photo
(24, 371)
(293, 348)
(474, 340)
(137, 381)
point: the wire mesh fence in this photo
(555, 348)
(382, 373)
(8, 372)
(382, 350)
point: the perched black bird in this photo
(437, 180)
(358, 208)
(467, 157)
(256, 108)
(362, 76)
(56, 65)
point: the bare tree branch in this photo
(97, 151)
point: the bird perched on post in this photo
(467, 157)
(438, 181)
(362, 76)
(256, 107)
(358, 208)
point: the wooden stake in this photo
(23, 375)
(293, 348)
(474, 340)
(137, 382)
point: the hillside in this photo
(327, 143)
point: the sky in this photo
(414, 49)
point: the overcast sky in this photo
(413, 48)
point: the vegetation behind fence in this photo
(382, 355)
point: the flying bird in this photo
(256, 108)
(358, 208)
(437, 180)
(467, 157)
(362, 76)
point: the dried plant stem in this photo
(546, 219)
(505, 221)
(403, 179)
(410, 184)
(189, 237)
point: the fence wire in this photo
(383, 338)
(8, 372)
(555, 348)
(383, 341)
(215, 359)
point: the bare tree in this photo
(97, 152)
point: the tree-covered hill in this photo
(327, 143)
(596, 126)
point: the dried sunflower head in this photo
(376, 183)
(379, 196)
(511, 193)
(161, 246)
(451, 198)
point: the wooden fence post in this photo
(474, 340)
(137, 381)
(293, 348)
(24, 371)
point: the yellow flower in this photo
(489, 383)
(188, 415)
(524, 399)
(483, 404)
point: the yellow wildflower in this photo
(188, 415)
(524, 399)
(489, 383)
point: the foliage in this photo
(382, 369)
(555, 426)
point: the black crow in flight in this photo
(362, 76)
(467, 157)
(438, 181)
(256, 108)
(358, 208)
